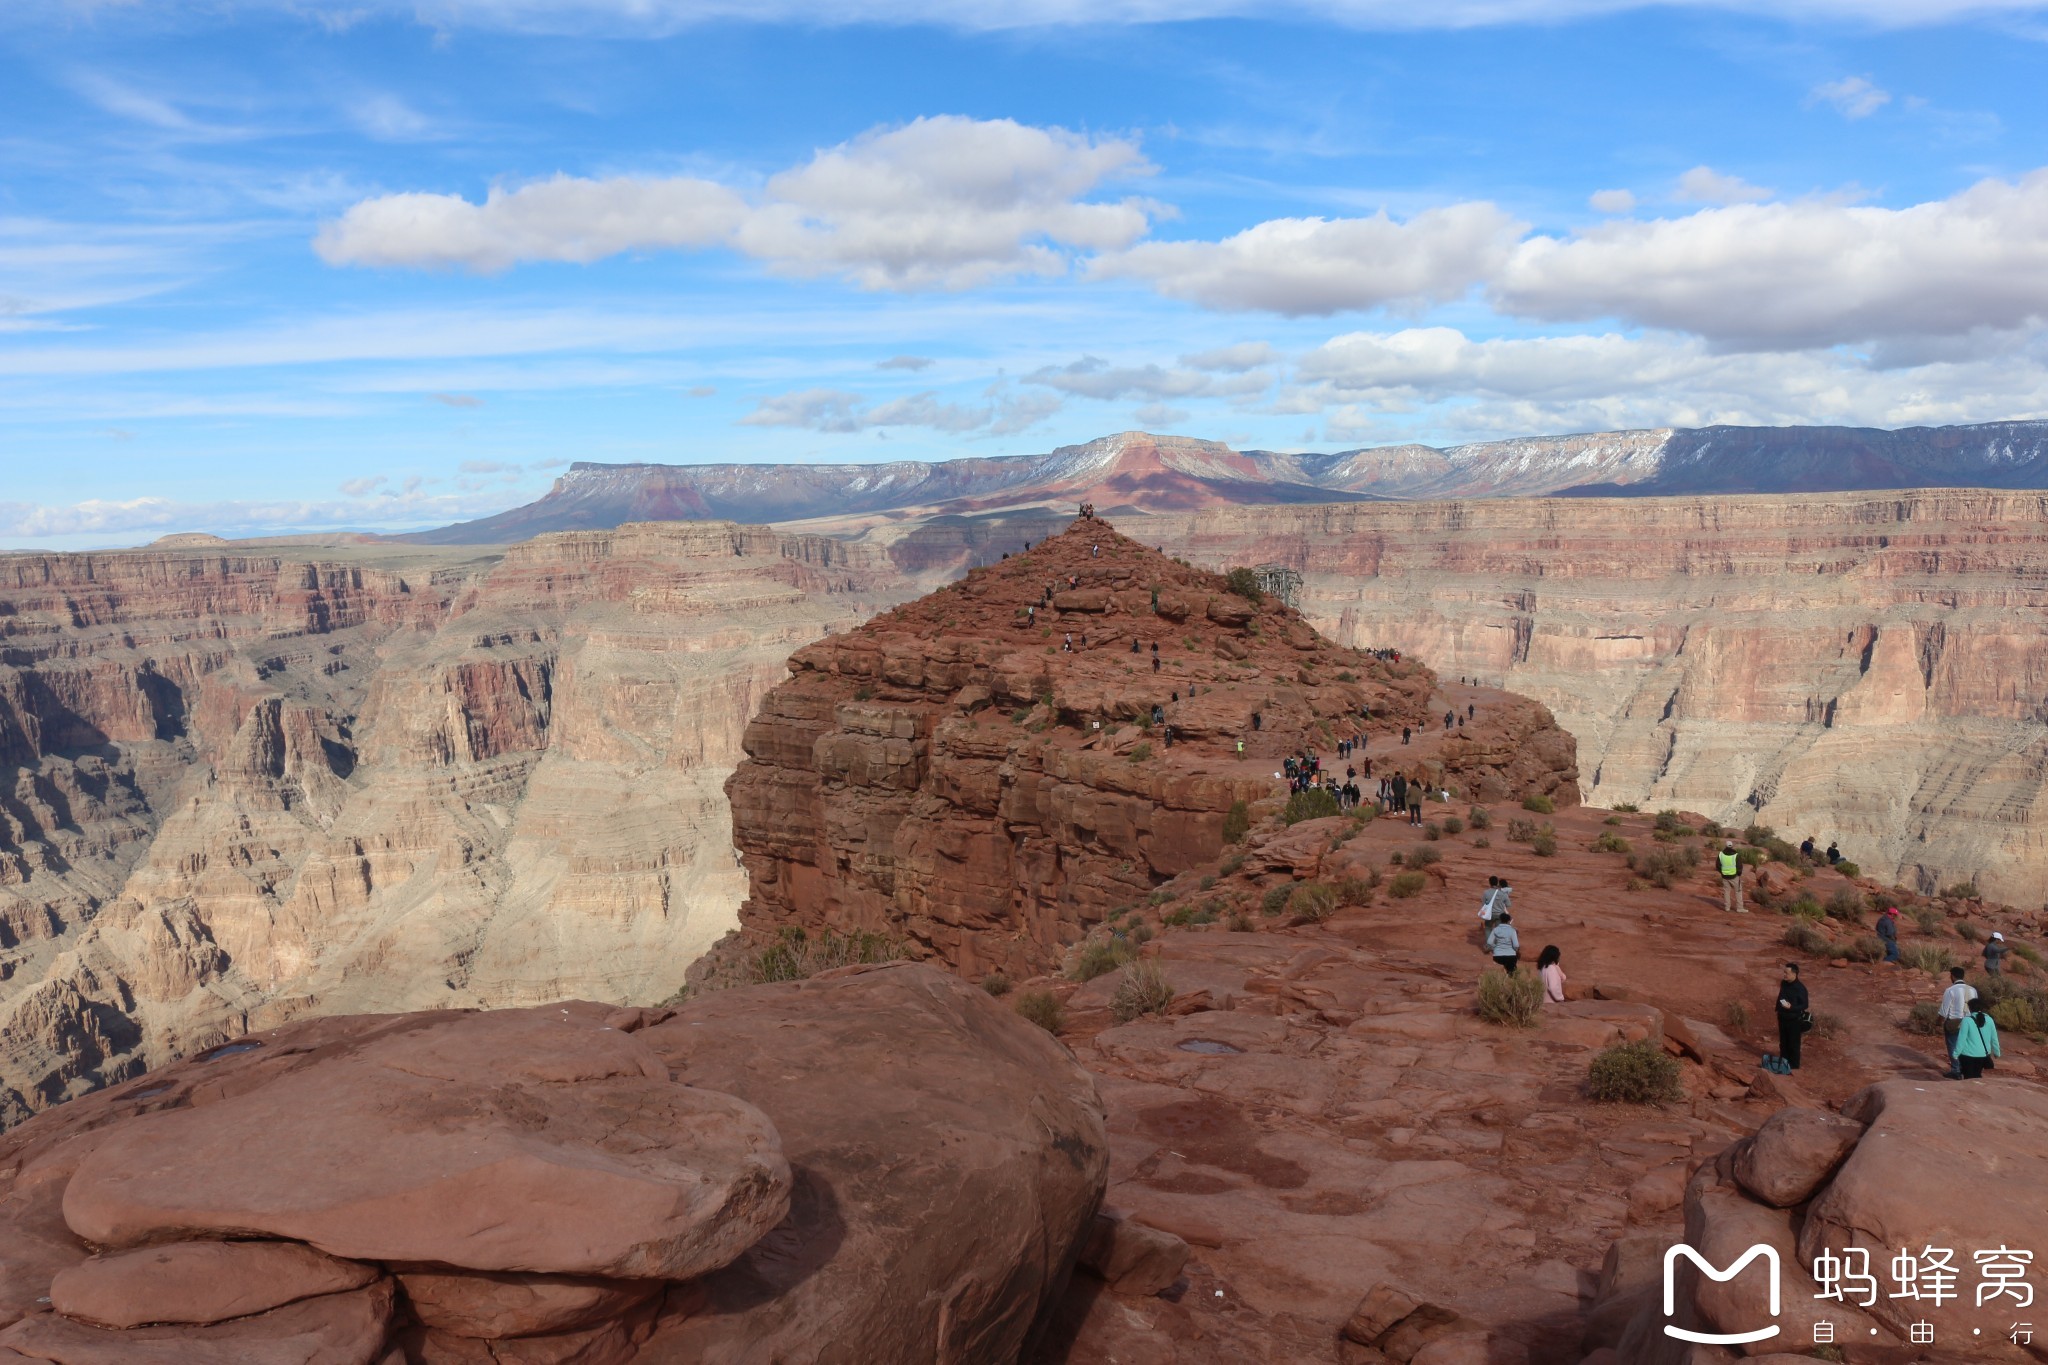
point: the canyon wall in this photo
(239, 787)
(1871, 668)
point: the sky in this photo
(272, 266)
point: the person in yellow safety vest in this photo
(1731, 879)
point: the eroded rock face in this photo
(243, 785)
(980, 771)
(877, 1164)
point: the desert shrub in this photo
(1020, 715)
(1610, 842)
(1424, 857)
(1802, 935)
(1711, 829)
(1479, 817)
(1141, 751)
(1396, 857)
(1625, 807)
(1043, 1009)
(1432, 831)
(1807, 908)
(1756, 834)
(1612, 820)
(1848, 869)
(1357, 890)
(1346, 675)
(1206, 882)
(1930, 920)
(1313, 804)
(1504, 999)
(1240, 922)
(863, 693)
(1313, 900)
(1407, 884)
(1660, 867)
(1159, 897)
(1144, 990)
(1924, 1017)
(1968, 932)
(1453, 825)
(1245, 583)
(1867, 948)
(995, 983)
(1275, 899)
(1927, 957)
(1229, 866)
(1671, 822)
(1634, 1073)
(1481, 841)
(1544, 845)
(1828, 1026)
(795, 955)
(1961, 891)
(1751, 857)
(1099, 958)
(1521, 831)
(1141, 932)
(1847, 904)
(1237, 822)
(2016, 1015)
(1780, 851)
(1737, 1015)
(2027, 952)
(1542, 805)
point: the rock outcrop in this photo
(993, 768)
(242, 786)
(879, 1164)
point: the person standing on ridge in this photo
(1888, 932)
(1955, 1007)
(1793, 1016)
(1399, 792)
(1405, 732)
(1995, 949)
(1415, 788)
(1976, 1043)
(1730, 868)
(1503, 944)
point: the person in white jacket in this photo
(1503, 943)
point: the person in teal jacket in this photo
(1977, 1044)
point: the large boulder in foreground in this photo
(878, 1164)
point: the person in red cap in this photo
(1888, 932)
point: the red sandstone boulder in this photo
(477, 1304)
(1134, 1257)
(413, 1147)
(1793, 1153)
(199, 1282)
(333, 1329)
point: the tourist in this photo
(1550, 966)
(1808, 849)
(1486, 903)
(1793, 1016)
(1415, 800)
(1955, 1007)
(1449, 716)
(1730, 867)
(1240, 748)
(1503, 944)
(1257, 719)
(1405, 732)
(1888, 932)
(1834, 854)
(1995, 949)
(1067, 643)
(1134, 644)
(1976, 1044)
(1399, 791)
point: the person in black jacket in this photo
(1792, 1007)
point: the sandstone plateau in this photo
(246, 785)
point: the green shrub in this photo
(1756, 834)
(1240, 922)
(1611, 842)
(1521, 831)
(1407, 884)
(1396, 857)
(1275, 899)
(1313, 900)
(1481, 841)
(1924, 1017)
(1807, 908)
(1424, 857)
(1313, 804)
(1968, 932)
(1141, 932)
(1828, 1027)
(1868, 948)
(1961, 891)
(1237, 822)
(1624, 807)
(2028, 952)
(1504, 999)
(1848, 869)
(1141, 751)
(1660, 867)
(1479, 817)
(1780, 851)
(1544, 845)
(1229, 866)
(1671, 822)
(1711, 829)
(1847, 904)
(1245, 583)
(1542, 805)
(1099, 959)
(1432, 831)
(1453, 825)
(1357, 890)
(1931, 921)
(1634, 1073)
(2016, 1015)
(1144, 990)
(1802, 935)
(995, 983)
(1927, 957)
(1206, 882)
(795, 955)
(1043, 1009)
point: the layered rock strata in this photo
(981, 772)
(238, 787)
(568, 1183)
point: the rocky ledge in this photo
(876, 1164)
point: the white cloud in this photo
(1853, 96)
(125, 101)
(836, 410)
(1802, 274)
(1608, 382)
(1155, 415)
(457, 400)
(906, 362)
(370, 505)
(941, 202)
(1705, 185)
(1245, 355)
(1302, 266)
(388, 118)
(1612, 201)
(1094, 377)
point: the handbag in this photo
(1806, 1021)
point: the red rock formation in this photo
(979, 771)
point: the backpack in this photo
(1776, 1065)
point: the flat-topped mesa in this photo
(989, 770)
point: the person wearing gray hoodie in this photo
(1503, 944)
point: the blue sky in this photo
(268, 266)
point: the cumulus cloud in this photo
(1612, 201)
(1853, 96)
(1705, 185)
(942, 202)
(1610, 381)
(1801, 274)
(1317, 266)
(838, 411)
